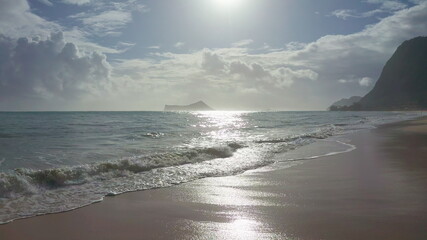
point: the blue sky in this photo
(235, 54)
(202, 24)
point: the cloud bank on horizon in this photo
(140, 55)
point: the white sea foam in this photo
(180, 148)
(82, 185)
(350, 148)
(25, 181)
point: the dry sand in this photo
(378, 191)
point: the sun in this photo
(227, 4)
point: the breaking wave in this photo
(227, 144)
(27, 181)
(322, 133)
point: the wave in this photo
(28, 181)
(322, 133)
(27, 192)
(153, 134)
(350, 148)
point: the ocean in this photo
(57, 161)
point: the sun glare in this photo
(227, 4)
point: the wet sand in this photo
(378, 191)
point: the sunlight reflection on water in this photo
(223, 119)
(222, 125)
(239, 198)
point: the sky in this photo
(130, 55)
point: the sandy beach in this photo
(378, 191)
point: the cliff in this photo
(403, 81)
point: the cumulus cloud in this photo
(212, 63)
(282, 77)
(255, 74)
(307, 76)
(250, 73)
(37, 70)
(219, 76)
(17, 20)
(297, 76)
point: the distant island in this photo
(402, 84)
(198, 106)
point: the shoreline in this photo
(276, 196)
(288, 162)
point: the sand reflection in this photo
(235, 202)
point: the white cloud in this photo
(76, 2)
(81, 39)
(38, 71)
(293, 46)
(205, 74)
(106, 18)
(304, 77)
(17, 20)
(212, 63)
(344, 81)
(300, 76)
(366, 82)
(391, 5)
(46, 2)
(386, 6)
(105, 23)
(250, 73)
(243, 43)
(126, 44)
(256, 74)
(344, 13)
